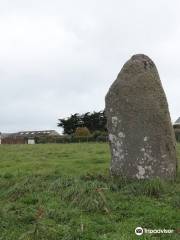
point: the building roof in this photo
(177, 121)
(3, 135)
(38, 133)
(32, 134)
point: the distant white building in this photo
(31, 141)
(26, 137)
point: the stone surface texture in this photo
(141, 136)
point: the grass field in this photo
(64, 192)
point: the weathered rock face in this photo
(141, 136)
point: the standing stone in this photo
(141, 136)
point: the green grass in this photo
(64, 192)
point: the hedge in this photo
(70, 139)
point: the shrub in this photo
(75, 139)
(102, 139)
(82, 132)
(177, 134)
(100, 136)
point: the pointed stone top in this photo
(138, 64)
(140, 57)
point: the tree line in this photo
(95, 121)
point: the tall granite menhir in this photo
(141, 136)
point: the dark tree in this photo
(69, 124)
(95, 121)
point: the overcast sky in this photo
(59, 57)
